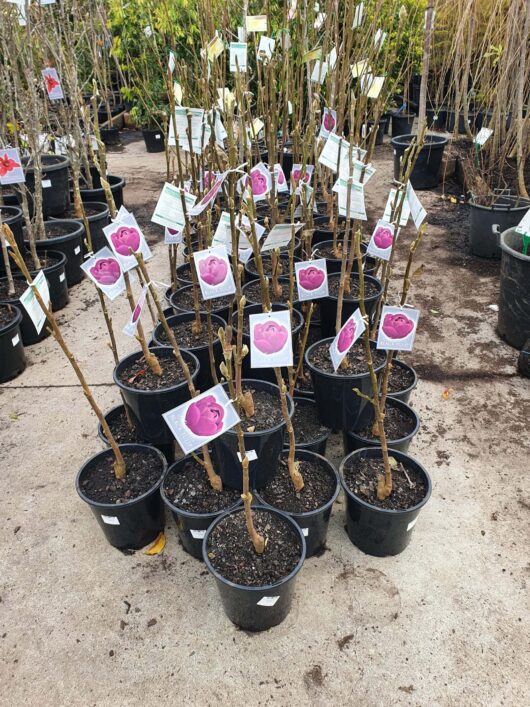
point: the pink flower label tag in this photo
(11, 171)
(382, 240)
(279, 178)
(271, 342)
(311, 279)
(301, 175)
(351, 330)
(329, 123)
(397, 328)
(205, 417)
(125, 237)
(105, 271)
(130, 328)
(261, 181)
(214, 272)
(52, 84)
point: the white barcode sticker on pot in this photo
(198, 534)
(412, 523)
(46, 183)
(62, 277)
(110, 520)
(15, 340)
(251, 455)
(268, 601)
(305, 531)
(77, 250)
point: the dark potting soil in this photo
(370, 288)
(307, 427)
(253, 292)
(356, 359)
(327, 251)
(361, 475)
(122, 433)
(319, 486)
(246, 330)
(189, 489)
(143, 470)
(89, 211)
(282, 269)
(232, 554)
(304, 382)
(267, 411)
(54, 230)
(20, 287)
(184, 300)
(399, 379)
(185, 337)
(138, 374)
(7, 314)
(184, 272)
(397, 425)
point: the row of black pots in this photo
(12, 356)
(486, 223)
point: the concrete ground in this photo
(445, 623)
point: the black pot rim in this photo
(308, 514)
(14, 216)
(319, 245)
(77, 229)
(284, 308)
(404, 141)
(389, 511)
(282, 256)
(113, 180)
(399, 404)
(190, 514)
(266, 384)
(412, 386)
(264, 587)
(59, 162)
(57, 255)
(189, 315)
(104, 211)
(14, 322)
(184, 311)
(508, 249)
(355, 275)
(501, 207)
(334, 376)
(154, 349)
(127, 504)
(325, 435)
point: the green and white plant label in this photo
(238, 56)
(168, 211)
(391, 203)
(416, 209)
(31, 304)
(280, 236)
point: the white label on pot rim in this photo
(198, 534)
(305, 531)
(110, 520)
(46, 183)
(62, 277)
(77, 250)
(15, 340)
(158, 137)
(251, 455)
(268, 601)
(412, 523)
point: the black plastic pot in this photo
(147, 406)
(338, 406)
(313, 524)
(402, 123)
(110, 136)
(173, 301)
(12, 217)
(191, 527)
(181, 271)
(266, 444)
(381, 129)
(426, 172)
(328, 305)
(256, 608)
(204, 379)
(436, 118)
(133, 524)
(377, 531)
(318, 445)
(284, 257)
(55, 188)
(12, 356)
(70, 244)
(154, 140)
(404, 395)
(96, 222)
(353, 440)
(333, 265)
(513, 324)
(451, 118)
(116, 187)
(486, 223)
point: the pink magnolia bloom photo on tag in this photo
(213, 270)
(311, 278)
(205, 417)
(270, 337)
(329, 122)
(346, 336)
(125, 239)
(7, 165)
(383, 237)
(106, 271)
(397, 326)
(259, 182)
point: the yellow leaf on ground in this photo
(157, 547)
(446, 393)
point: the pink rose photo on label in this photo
(125, 239)
(270, 337)
(280, 176)
(383, 237)
(311, 278)
(213, 270)
(106, 271)
(205, 417)
(346, 336)
(397, 326)
(329, 121)
(259, 182)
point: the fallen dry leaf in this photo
(157, 547)
(446, 393)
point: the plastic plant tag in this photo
(523, 227)
(358, 15)
(201, 419)
(320, 71)
(208, 199)
(130, 328)
(261, 181)
(397, 328)
(382, 240)
(357, 208)
(252, 455)
(173, 236)
(329, 123)
(105, 271)
(198, 534)
(319, 20)
(171, 62)
(52, 83)
(256, 23)
(266, 47)
(30, 303)
(177, 92)
(238, 56)
(245, 231)
(279, 179)
(311, 279)
(280, 236)
(257, 126)
(124, 237)
(405, 211)
(350, 331)
(215, 48)
(333, 148)
(360, 68)
(379, 39)
(361, 172)
(417, 211)
(312, 55)
(371, 85)
(296, 175)
(214, 272)
(482, 136)
(110, 520)
(271, 343)
(11, 171)
(169, 211)
(267, 601)
(332, 58)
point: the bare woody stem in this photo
(292, 465)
